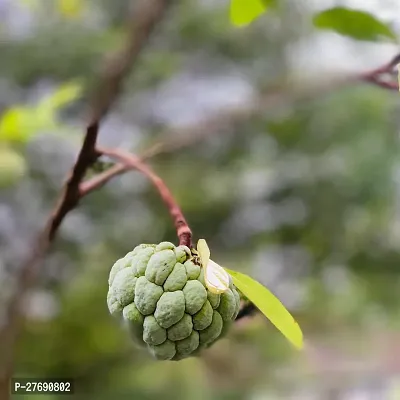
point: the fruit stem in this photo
(133, 162)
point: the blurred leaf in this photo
(67, 8)
(46, 110)
(19, 124)
(14, 125)
(357, 24)
(70, 8)
(63, 96)
(270, 306)
(243, 12)
(12, 166)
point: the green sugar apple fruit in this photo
(159, 293)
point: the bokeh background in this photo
(304, 195)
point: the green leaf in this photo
(243, 12)
(70, 8)
(15, 125)
(19, 124)
(357, 24)
(270, 306)
(63, 96)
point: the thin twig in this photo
(145, 20)
(375, 76)
(101, 179)
(133, 162)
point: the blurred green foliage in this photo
(12, 166)
(20, 124)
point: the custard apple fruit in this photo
(159, 293)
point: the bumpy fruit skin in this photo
(159, 293)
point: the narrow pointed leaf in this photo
(270, 306)
(243, 12)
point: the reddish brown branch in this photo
(131, 161)
(146, 18)
(376, 76)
